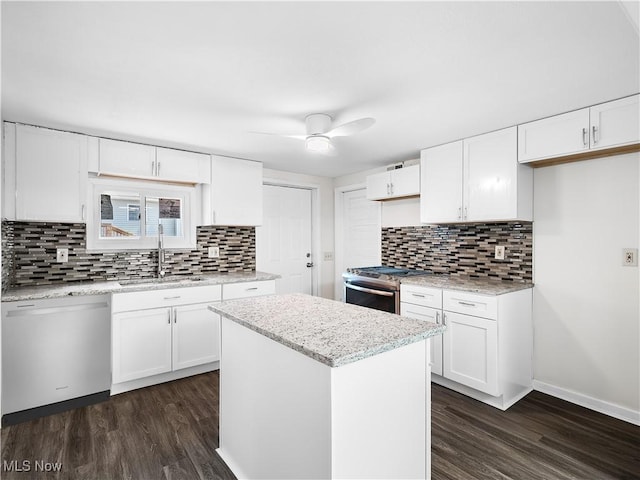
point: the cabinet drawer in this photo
(470, 304)
(419, 312)
(122, 302)
(248, 289)
(425, 296)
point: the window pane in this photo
(166, 211)
(119, 215)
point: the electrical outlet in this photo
(214, 252)
(630, 257)
(328, 256)
(62, 255)
(499, 254)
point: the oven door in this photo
(372, 297)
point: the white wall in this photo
(586, 304)
(323, 236)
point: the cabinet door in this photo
(51, 175)
(441, 184)
(432, 315)
(127, 159)
(141, 344)
(490, 179)
(554, 136)
(196, 336)
(378, 186)
(470, 352)
(181, 166)
(405, 181)
(615, 123)
(236, 191)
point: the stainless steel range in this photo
(376, 287)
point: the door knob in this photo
(310, 264)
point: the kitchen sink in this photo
(152, 281)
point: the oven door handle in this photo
(383, 293)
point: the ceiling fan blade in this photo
(298, 137)
(351, 128)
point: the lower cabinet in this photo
(162, 335)
(161, 340)
(485, 351)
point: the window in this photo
(117, 221)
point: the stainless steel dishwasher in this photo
(56, 355)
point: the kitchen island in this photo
(314, 388)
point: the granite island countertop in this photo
(136, 285)
(331, 332)
(484, 286)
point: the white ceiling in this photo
(204, 75)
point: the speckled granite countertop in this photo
(114, 286)
(331, 332)
(467, 284)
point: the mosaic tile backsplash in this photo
(29, 252)
(462, 249)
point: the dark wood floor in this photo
(170, 431)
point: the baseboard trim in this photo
(117, 388)
(606, 408)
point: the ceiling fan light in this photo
(318, 143)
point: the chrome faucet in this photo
(160, 272)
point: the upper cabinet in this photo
(474, 180)
(45, 174)
(607, 125)
(402, 182)
(235, 196)
(155, 163)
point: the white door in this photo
(196, 336)
(283, 242)
(470, 352)
(615, 123)
(432, 315)
(441, 183)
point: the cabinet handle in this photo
(391, 188)
(417, 295)
(169, 317)
(157, 169)
(153, 168)
(459, 213)
(585, 142)
(175, 316)
(594, 130)
(465, 213)
(466, 304)
(444, 319)
(83, 211)
(249, 289)
(388, 189)
(438, 318)
(172, 298)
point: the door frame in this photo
(316, 273)
(338, 208)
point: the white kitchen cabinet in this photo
(615, 123)
(231, 291)
(135, 160)
(196, 336)
(607, 125)
(126, 159)
(161, 335)
(485, 351)
(470, 349)
(182, 166)
(141, 344)
(45, 177)
(398, 183)
(474, 180)
(235, 194)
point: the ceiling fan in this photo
(319, 131)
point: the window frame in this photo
(98, 186)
